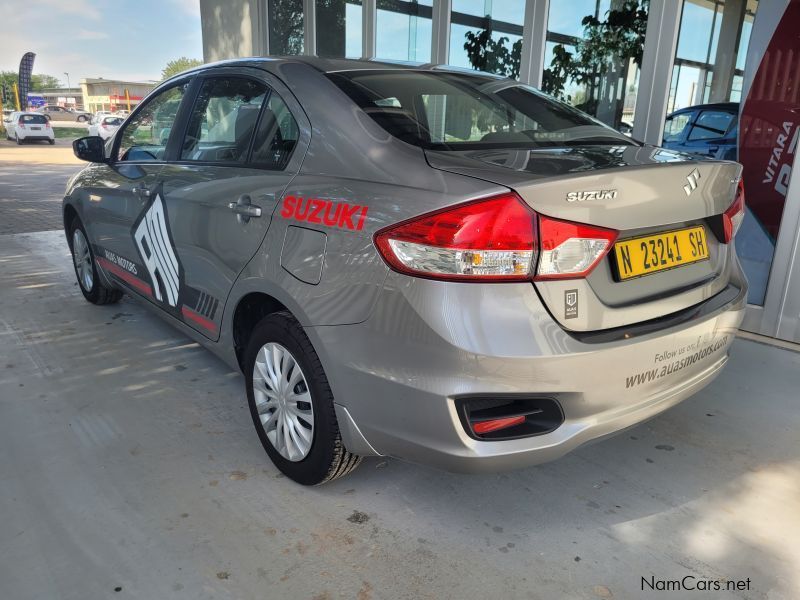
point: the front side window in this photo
(145, 136)
(223, 120)
(453, 111)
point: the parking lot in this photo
(131, 469)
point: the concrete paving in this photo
(31, 194)
(130, 469)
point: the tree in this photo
(38, 81)
(286, 27)
(179, 65)
(487, 54)
(599, 62)
(601, 58)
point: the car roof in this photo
(333, 65)
(725, 106)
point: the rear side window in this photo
(33, 119)
(277, 135)
(223, 120)
(145, 136)
(710, 124)
(115, 121)
(454, 111)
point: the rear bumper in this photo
(398, 374)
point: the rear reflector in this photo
(733, 217)
(570, 250)
(485, 240)
(484, 427)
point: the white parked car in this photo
(105, 126)
(29, 126)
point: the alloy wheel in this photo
(83, 260)
(283, 401)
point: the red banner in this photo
(770, 123)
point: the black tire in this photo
(81, 119)
(19, 141)
(99, 294)
(51, 142)
(327, 459)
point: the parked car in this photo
(59, 113)
(105, 126)
(454, 269)
(123, 113)
(28, 127)
(704, 130)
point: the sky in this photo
(130, 40)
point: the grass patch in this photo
(72, 133)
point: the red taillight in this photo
(733, 217)
(21, 123)
(491, 239)
(47, 125)
(570, 250)
(484, 427)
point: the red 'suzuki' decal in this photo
(206, 324)
(142, 286)
(325, 212)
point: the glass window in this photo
(403, 30)
(33, 119)
(697, 24)
(592, 57)
(277, 135)
(675, 126)
(487, 36)
(223, 119)
(448, 111)
(339, 28)
(144, 137)
(285, 18)
(710, 124)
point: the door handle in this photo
(142, 191)
(244, 209)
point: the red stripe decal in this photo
(129, 278)
(199, 319)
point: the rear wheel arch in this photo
(250, 310)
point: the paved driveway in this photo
(129, 463)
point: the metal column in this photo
(661, 39)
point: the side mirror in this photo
(90, 149)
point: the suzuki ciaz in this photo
(445, 267)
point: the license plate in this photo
(36, 128)
(653, 253)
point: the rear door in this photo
(244, 141)
(121, 195)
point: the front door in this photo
(123, 202)
(244, 141)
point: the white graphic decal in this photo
(152, 239)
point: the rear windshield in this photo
(33, 119)
(113, 121)
(454, 111)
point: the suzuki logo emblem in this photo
(692, 178)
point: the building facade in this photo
(112, 95)
(628, 63)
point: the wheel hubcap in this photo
(83, 260)
(283, 402)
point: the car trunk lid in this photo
(637, 190)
